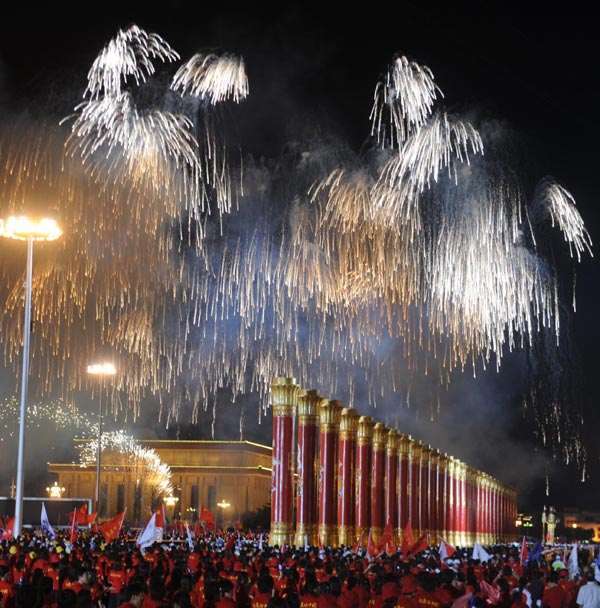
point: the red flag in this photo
(238, 525)
(207, 517)
(74, 530)
(492, 594)
(524, 552)
(371, 547)
(81, 515)
(421, 544)
(110, 529)
(358, 542)
(407, 539)
(386, 538)
(7, 533)
(161, 520)
(230, 544)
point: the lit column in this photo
(364, 441)
(391, 479)
(415, 488)
(377, 474)
(424, 489)
(495, 511)
(451, 515)
(471, 505)
(100, 370)
(284, 394)
(404, 455)
(24, 229)
(306, 486)
(478, 507)
(346, 493)
(329, 414)
(485, 510)
(443, 495)
(463, 502)
(434, 459)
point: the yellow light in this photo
(55, 491)
(223, 504)
(171, 501)
(21, 228)
(102, 369)
(575, 524)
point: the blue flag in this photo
(536, 553)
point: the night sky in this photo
(536, 74)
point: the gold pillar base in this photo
(362, 533)
(376, 533)
(304, 532)
(328, 533)
(281, 532)
(347, 535)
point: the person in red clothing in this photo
(7, 590)
(425, 596)
(309, 598)
(226, 600)
(134, 596)
(348, 597)
(554, 595)
(265, 586)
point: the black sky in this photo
(534, 71)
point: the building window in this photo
(121, 497)
(137, 501)
(212, 498)
(194, 500)
(103, 508)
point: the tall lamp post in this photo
(223, 505)
(25, 229)
(102, 370)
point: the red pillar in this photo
(284, 393)
(306, 487)
(424, 488)
(434, 460)
(346, 492)
(364, 440)
(391, 479)
(443, 495)
(377, 474)
(453, 524)
(329, 415)
(415, 488)
(478, 508)
(486, 509)
(404, 466)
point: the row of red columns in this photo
(353, 475)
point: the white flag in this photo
(480, 553)
(147, 536)
(572, 564)
(46, 527)
(443, 552)
(190, 542)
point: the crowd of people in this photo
(243, 571)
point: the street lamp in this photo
(55, 491)
(25, 229)
(223, 505)
(102, 370)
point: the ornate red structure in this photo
(284, 393)
(355, 475)
(363, 477)
(306, 486)
(346, 514)
(329, 412)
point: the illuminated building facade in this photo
(369, 475)
(237, 473)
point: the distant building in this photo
(233, 473)
(584, 520)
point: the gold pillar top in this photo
(434, 457)
(284, 395)
(425, 452)
(284, 381)
(392, 441)
(443, 461)
(405, 445)
(330, 411)
(349, 420)
(379, 433)
(365, 430)
(308, 404)
(417, 448)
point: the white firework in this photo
(213, 77)
(130, 53)
(406, 96)
(552, 199)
